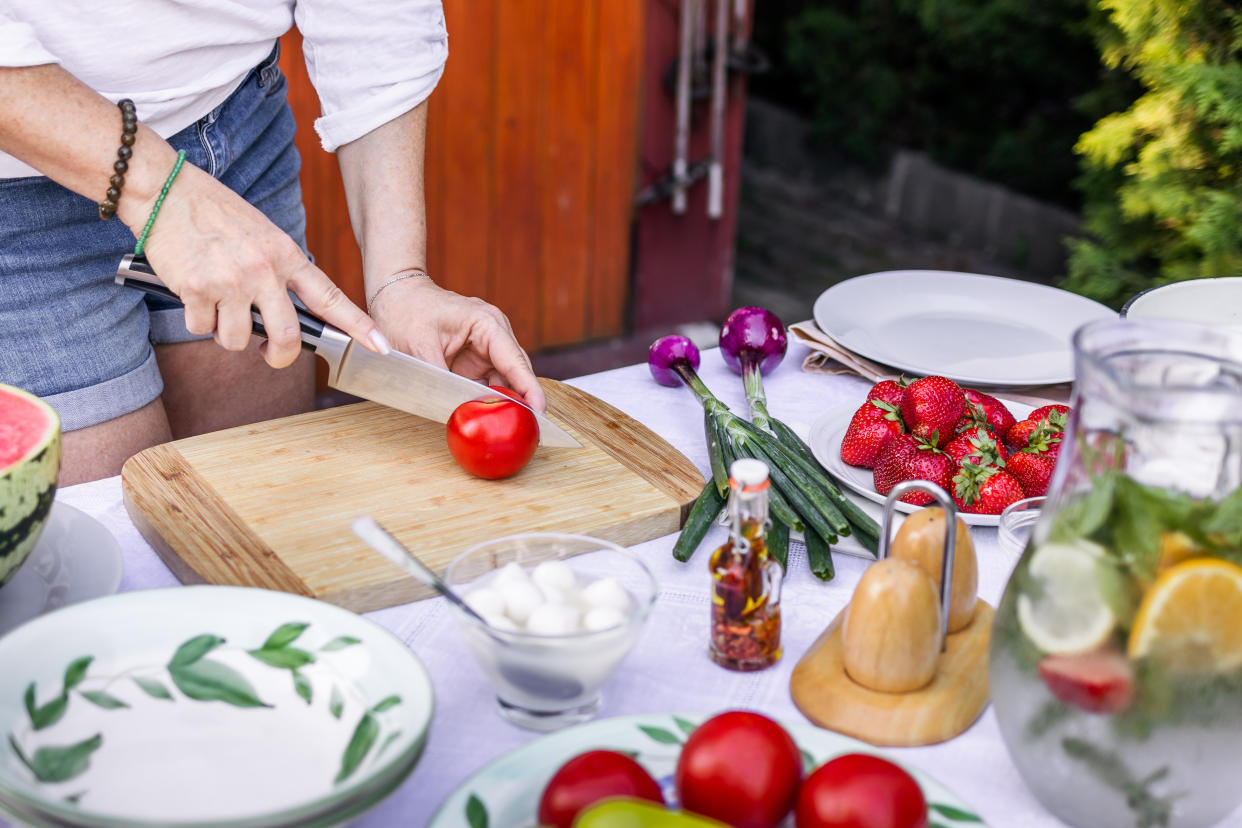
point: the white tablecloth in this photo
(669, 669)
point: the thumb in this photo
(329, 303)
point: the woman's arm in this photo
(219, 254)
(383, 175)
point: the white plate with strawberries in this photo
(971, 328)
(896, 434)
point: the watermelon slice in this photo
(29, 465)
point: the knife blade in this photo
(394, 379)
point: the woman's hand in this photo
(466, 335)
(221, 255)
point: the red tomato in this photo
(741, 768)
(493, 437)
(590, 777)
(858, 790)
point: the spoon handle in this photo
(378, 538)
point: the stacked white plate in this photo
(207, 705)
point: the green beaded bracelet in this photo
(159, 202)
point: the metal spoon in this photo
(530, 681)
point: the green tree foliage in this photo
(1162, 179)
(998, 88)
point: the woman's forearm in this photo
(383, 175)
(68, 132)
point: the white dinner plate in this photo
(825, 441)
(973, 329)
(505, 793)
(205, 705)
(76, 559)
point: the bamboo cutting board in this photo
(269, 505)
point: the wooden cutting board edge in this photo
(155, 481)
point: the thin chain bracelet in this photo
(407, 275)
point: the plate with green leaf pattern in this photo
(205, 705)
(505, 793)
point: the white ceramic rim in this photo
(841, 308)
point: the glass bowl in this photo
(549, 681)
(1016, 523)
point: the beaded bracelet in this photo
(129, 129)
(159, 202)
(407, 275)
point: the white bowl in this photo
(1216, 302)
(545, 682)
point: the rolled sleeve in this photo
(370, 62)
(20, 46)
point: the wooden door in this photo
(531, 164)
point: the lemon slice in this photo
(1191, 617)
(1062, 609)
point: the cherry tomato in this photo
(741, 768)
(859, 790)
(590, 777)
(493, 437)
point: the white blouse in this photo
(370, 60)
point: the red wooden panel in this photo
(567, 72)
(618, 115)
(463, 103)
(517, 264)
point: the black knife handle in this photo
(136, 272)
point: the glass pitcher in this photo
(1116, 655)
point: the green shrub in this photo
(998, 88)
(1163, 179)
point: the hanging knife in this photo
(394, 379)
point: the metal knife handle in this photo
(136, 272)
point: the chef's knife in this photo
(393, 379)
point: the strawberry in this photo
(890, 391)
(933, 406)
(907, 457)
(984, 409)
(977, 442)
(1045, 410)
(1033, 469)
(872, 426)
(1099, 681)
(984, 490)
(1019, 434)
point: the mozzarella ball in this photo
(521, 598)
(486, 601)
(606, 592)
(509, 573)
(554, 575)
(553, 619)
(603, 618)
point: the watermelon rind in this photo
(27, 489)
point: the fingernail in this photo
(380, 341)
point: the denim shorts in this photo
(71, 335)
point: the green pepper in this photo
(624, 812)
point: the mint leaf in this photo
(339, 642)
